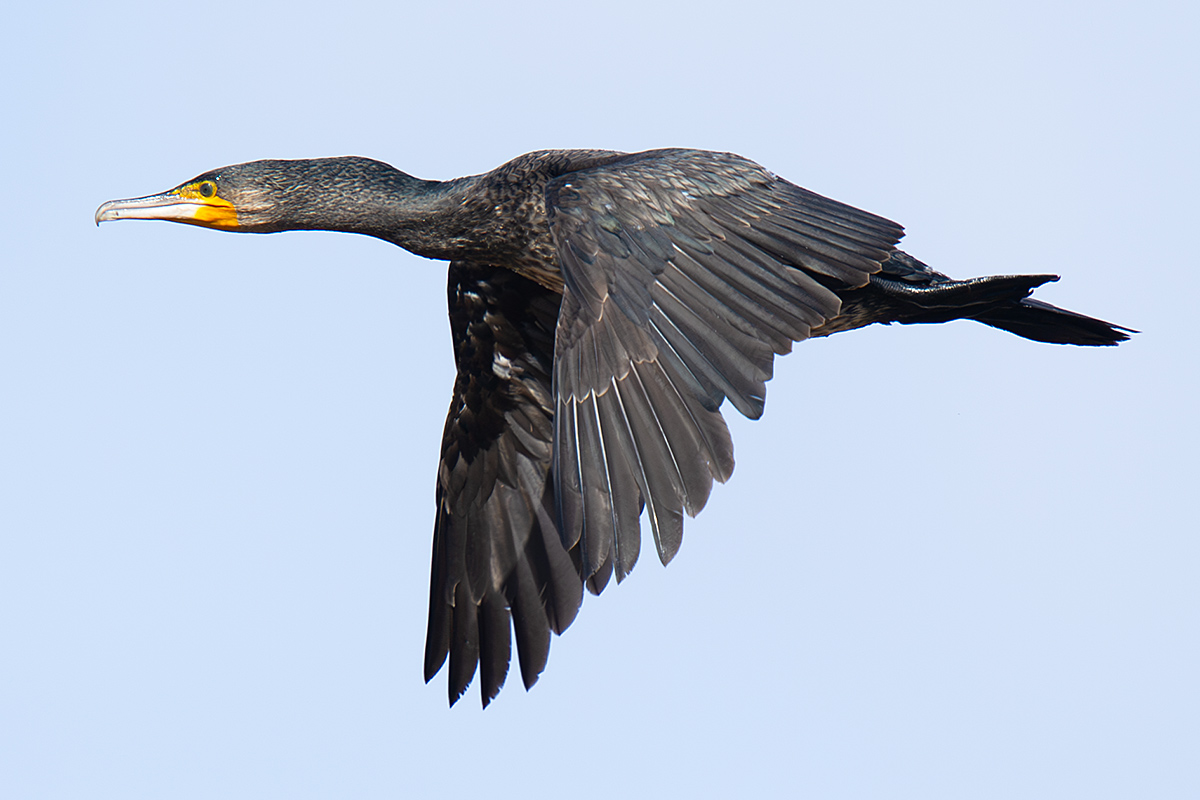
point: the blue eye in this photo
(207, 189)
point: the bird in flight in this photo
(603, 306)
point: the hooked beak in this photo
(208, 212)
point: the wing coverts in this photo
(686, 272)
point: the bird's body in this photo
(603, 306)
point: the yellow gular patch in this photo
(211, 211)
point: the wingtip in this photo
(530, 680)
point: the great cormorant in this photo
(603, 306)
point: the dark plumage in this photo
(603, 307)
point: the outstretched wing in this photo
(685, 273)
(497, 554)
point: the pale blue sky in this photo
(217, 452)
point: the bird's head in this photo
(263, 196)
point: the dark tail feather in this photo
(1043, 322)
(1001, 301)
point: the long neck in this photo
(436, 219)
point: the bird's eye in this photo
(207, 189)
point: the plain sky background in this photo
(951, 563)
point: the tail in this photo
(911, 292)
(1043, 322)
